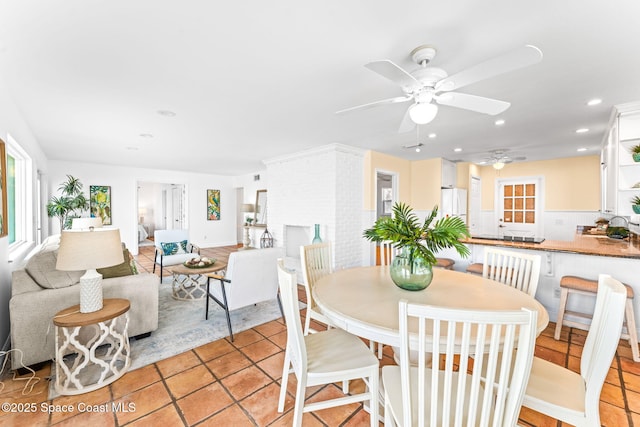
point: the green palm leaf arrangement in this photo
(70, 204)
(423, 240)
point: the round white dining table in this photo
(364, 300)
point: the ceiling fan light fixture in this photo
(423, 113)
(498, 165)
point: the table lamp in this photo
(86, 223)
(88, 250)
(248, 208)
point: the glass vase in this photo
(316, 238)
(410, 272)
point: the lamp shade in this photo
(86, 223)
(88, 250)
(248, 207)
(423, 113)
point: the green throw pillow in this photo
(119, 270)
(173, 248)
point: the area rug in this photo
(182, 327)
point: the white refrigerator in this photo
(454, 203)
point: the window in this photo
(19, 192)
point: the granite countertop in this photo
(581, 244)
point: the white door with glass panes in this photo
(518, 207)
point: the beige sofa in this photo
(38, 292)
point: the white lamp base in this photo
(90, 292)
(247, 238)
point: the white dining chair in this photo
(316, 263)
(387, 252)
(516, 269)
(571, 397)
(453, 392)
(322, 358)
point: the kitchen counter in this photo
(581, 244)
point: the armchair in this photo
(251, 277)
(172, 247)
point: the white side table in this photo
(92, 349)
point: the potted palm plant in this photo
(70, 204)
(418, 242)
(635, 204)
(635, 153)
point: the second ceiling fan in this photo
(429, 86)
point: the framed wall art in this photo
(100, 203)
(213, 205)
(4, 219)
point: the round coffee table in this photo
(190, 283)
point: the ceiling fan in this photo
(498, 159)
(429, 86)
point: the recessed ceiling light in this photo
(499, 122)
(146, 135)
(417, 149)
(582, 130)
(432, 135)
(166, 113)
(594, 101)
(582, 149)
(457, 150)
(132, 148)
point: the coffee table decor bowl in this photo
(200, 262)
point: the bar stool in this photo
(446, 263)
(475, 268)
(578, 285)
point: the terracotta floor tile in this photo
(612, 395)
(38, 418)
(635, 418)
(633, 399)
(631, 381)
(177, 364)
(135, 380)
(28, 383)
(262, 405)
(613, 416)
(273, 365)
(232, 416)
(552, 344)
(279, 339)
(361, 418)
(630, 366)
(243, 383)
(94, 419)
(260, 350)
(188, 381)
(228, 364)
(142, 402)
(165, 416)
(333, 416)
(100, 397)
(204, 402)
(214, 349)
(536, 419)
(550, 355)
(270, 328)
(245, 338)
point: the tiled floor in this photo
(237, 384)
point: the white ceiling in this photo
(252, 80)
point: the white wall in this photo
(12, 122)
(124, 181)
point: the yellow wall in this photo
(571, 184)
(426, 179)
(382, 162)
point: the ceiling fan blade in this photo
(512, 60)
(392, 72)
(375, 103)
(479, 104)
(407, 125)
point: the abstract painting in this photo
(4, 226)
(100, 203)
(213, 205)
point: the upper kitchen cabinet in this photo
(620, 173)
(449, 174)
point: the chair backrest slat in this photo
(316, 262)
(458, 393)
(515, 269)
